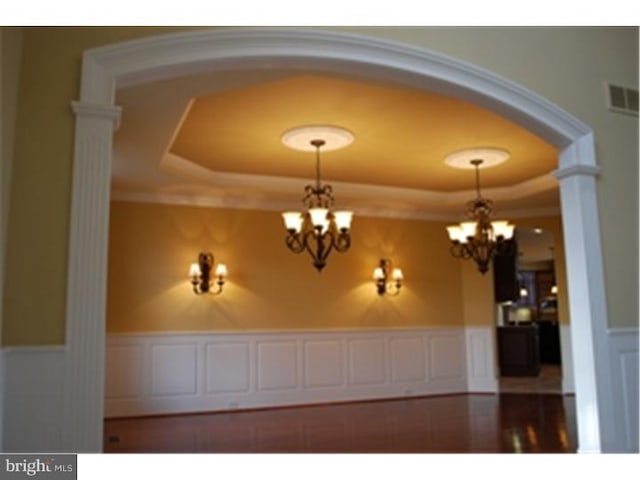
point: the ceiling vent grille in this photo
(622, 99)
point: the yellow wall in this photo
(39, 211)
(477, 298)
(152, 245)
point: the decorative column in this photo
(86, 292)
(587, 305)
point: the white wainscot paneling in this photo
(446, 361)
(367, 361)
(173, 370)
(33, 389)
(481, 360)
(191, 372)
(124, 371)
(446, 350)
(227, 366)
(277, 365)
(624, 375)
(323, 363)
(407, 360)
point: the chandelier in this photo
(480, 239)
(320, 229)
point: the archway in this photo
(171, 56)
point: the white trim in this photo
(171, 56)
(568, 384)
(587, 302)
(482, 366)
(163, 373)
(625, 375)
(281, 206)
(269, 192)
(34, 384)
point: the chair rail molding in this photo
(169, 56)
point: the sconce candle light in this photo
(381, 276)
(200, 274)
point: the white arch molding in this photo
(170, 56)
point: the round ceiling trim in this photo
(490, 157)
(301, 138)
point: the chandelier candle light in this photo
(480, 239)
(319, 230)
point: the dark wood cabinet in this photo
(549, 334)
(519, 351)
(505, 275)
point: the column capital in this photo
(89, 110)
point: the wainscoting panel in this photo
(367, 361)
(625, 374)
(277, 365)
(481, 360)
(34, 389)
(173, 369)
(407, 360)
(446, 350)
(219, 357)
(323, 363)
(190, 372)
(124, 371)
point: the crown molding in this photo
(244, 203)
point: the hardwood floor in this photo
(548, 381)
(468, 423)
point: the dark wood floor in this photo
(504, 423)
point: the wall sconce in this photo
(200, 274)
(383, 273)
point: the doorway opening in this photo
(172, 56)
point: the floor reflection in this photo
(505, 423)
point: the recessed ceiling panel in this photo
(401, 136)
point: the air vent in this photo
(622, 99)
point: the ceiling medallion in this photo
(334, 137)
(480, 239)
(319, 230)
(491, 157)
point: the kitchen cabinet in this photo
(519, 351)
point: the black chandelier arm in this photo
(295, 242)
(482, 252)
(324, 243)
(342, 242)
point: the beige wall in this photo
(10, 56)
(151, 248)
(41, 179)
(39, 214)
